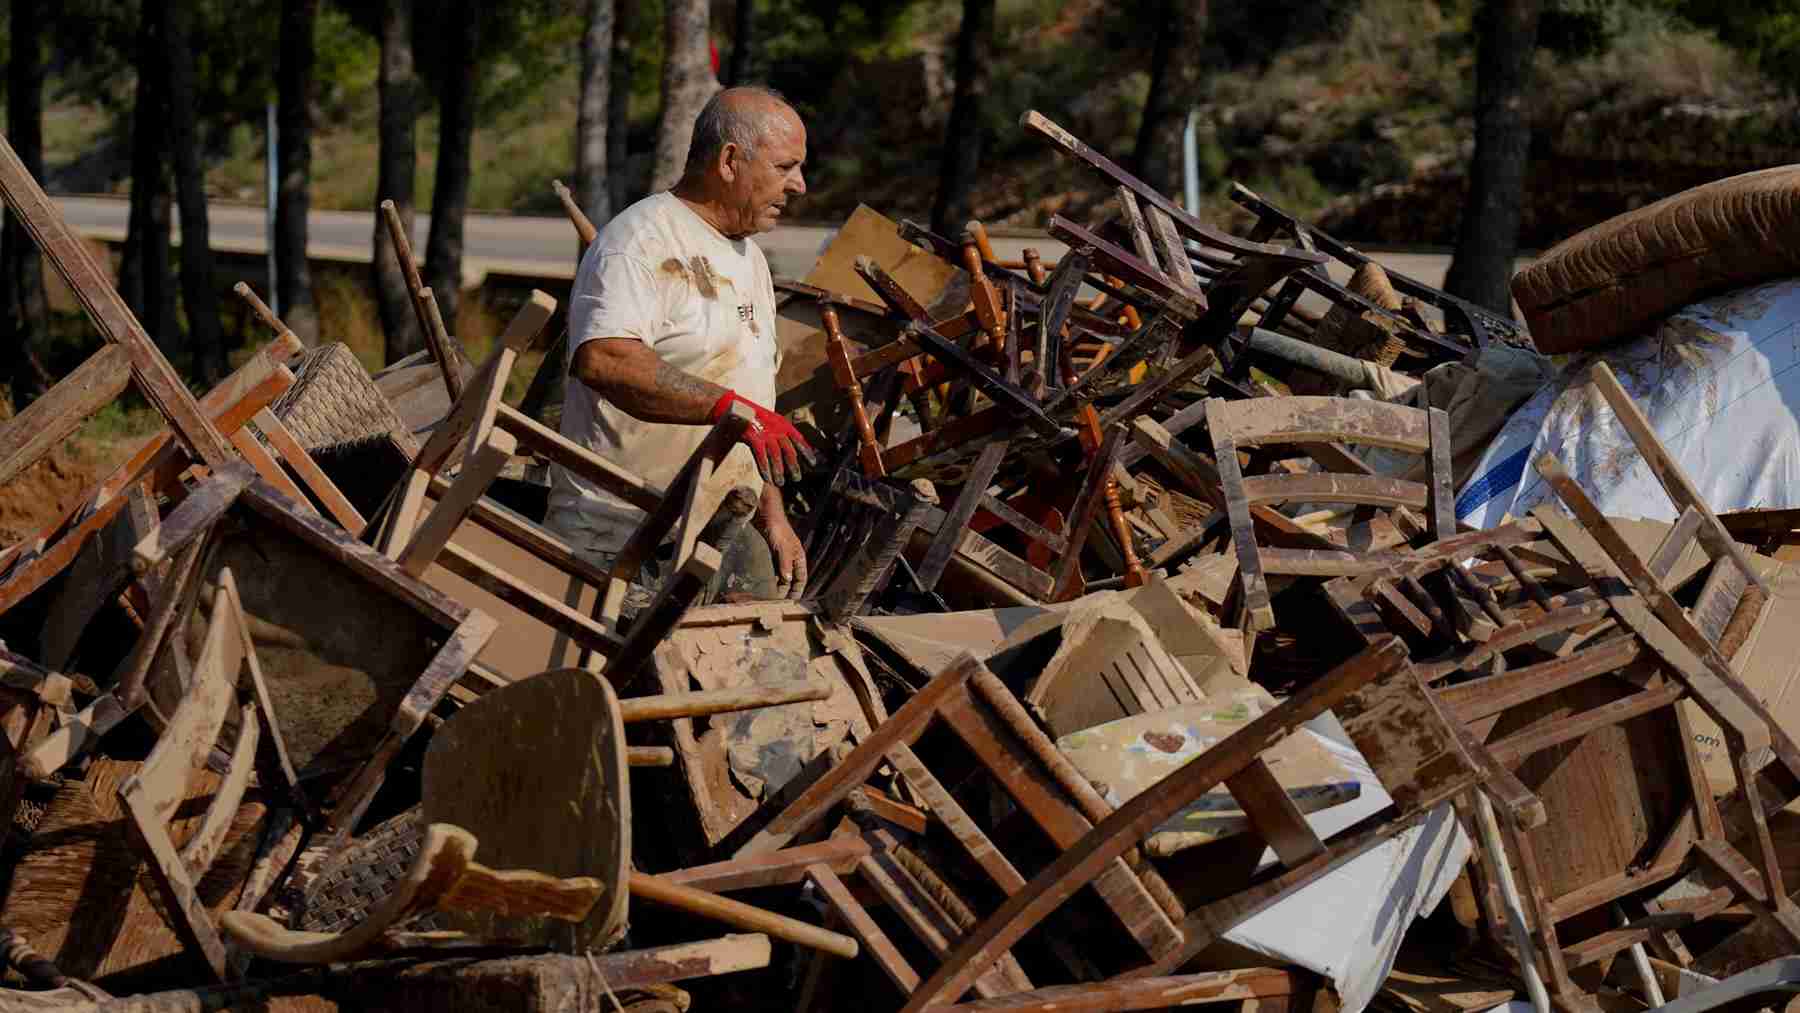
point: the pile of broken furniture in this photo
(303, 706)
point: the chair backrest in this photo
(1318, 426)
(536, 771)
(157, 790)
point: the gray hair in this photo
(728, 119)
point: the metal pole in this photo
(269, 219)
(1489, 826)
(1190, 161)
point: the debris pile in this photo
(1144, 663)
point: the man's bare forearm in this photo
(769, 507)
(630, 375)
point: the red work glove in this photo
(772, 439)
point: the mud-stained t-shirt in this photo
(661, 274)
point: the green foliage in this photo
(1768, 31)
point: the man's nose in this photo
(796, 184)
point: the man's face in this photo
(764, 179)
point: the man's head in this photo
(745, 159)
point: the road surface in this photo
(533, 247)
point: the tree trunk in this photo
(618, 109)
(592, 111)
(456, 132)
(144, 276)
(744, 43)
(964, 135)
(1489, 235)
(24, 315)
(398, 83)
(687, 82)
(206, 338)
(293, 201)
(1176, 68)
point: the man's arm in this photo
(784, 545)
(632, 376)
(628, 373)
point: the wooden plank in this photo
(1443, 495)
(1246, 986)
(1261, 420)
(1325, 487)
(270, 469)
(47, 422)
(1258, 613)
(297, 458)
(1131, 822)
(157, 379)
(479, 470)
(775, 868)
(925, 912)
(1140, 233)
(1479, 698)
(202, 848)
(886, 955)
(1662, 464)
(1273, 814)
(1004, 512)
(949, 533)
(1174, 253)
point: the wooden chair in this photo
(1470, 326)
(1569, 684)
(446, 877)
(985, 717)
(1369, 693)
(1321, 422)
(459, 633)
(152, 795)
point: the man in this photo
(671, 322)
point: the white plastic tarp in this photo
(1347, 924)
(1719, 385)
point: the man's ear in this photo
(728, 156)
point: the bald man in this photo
(671, 322)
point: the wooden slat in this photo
(479, 470)
(1519, 745)
(1244, 986)
(956, 820)
(161, 385)
(1174, 253)
(1088, 504)
(552, 612)
(886, 955)
(1662, 464)
(47, 422)
(1324, 487)
(1277, 819)
(317, 482)
(1140, 233)
(949, 533)
(1261, 420)
(775, 868)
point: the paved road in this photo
(545, 247)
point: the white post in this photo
(269, 219)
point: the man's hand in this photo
(784, 545)
(772, 439)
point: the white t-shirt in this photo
(706, 304)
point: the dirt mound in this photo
(51, 487)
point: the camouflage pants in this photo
(747, 573)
